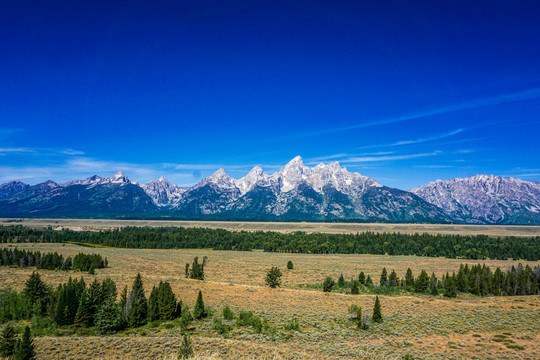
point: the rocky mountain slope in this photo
(296, 192)
(485, 199)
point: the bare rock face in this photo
(11, 188)
(296, 192)
(485, 199)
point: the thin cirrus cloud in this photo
(417, 141)
(467, 105)
(363, 159)
(16, 150)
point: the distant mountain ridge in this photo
(326, 192)
(485, 199)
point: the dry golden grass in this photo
(308, 227)
(424, 326)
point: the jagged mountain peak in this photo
(11, 188)
(119, 177)
(484, 198)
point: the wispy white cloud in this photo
(343, 155)
(416, 141)
(16, 150)
(388, 158)
(467, 105)
(433, 166)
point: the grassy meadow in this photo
(422, 326)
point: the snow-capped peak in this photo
(254, 177)
(119, 177)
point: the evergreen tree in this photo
(136, 304)
(24, 349)
(354, 288)
(166, 301)
(422, 283)
(384, 278)
(7, 341)
(290, 265)
(108, 289)
(362, 278)
(197, 269)
(369, 282)
(409, 280)
(199, 311)
(83, 317)
(153, 309)
(433, 285)
(328, 284)
(109, 317)
(450, 286)
(37, 293)
(227, 313)
(377, 314)
(123, 303)
(273, 277)
(341, 281)
(186, 349)
(95, 299)
(393, 280)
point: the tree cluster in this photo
(450, 245)
(477, 279)
(197, 269)
(95, 305)
(51, 261)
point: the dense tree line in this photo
(51, 261)
(476, 279)
(94, 305)
(451, 246)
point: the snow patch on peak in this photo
(119, 177)
(255, 177)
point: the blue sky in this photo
(403, 92)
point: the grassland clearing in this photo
(287, 227)
(424, 326)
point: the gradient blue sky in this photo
(405, 92)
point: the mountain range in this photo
(326, 192)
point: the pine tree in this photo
(384, 278)
(153, 309)
(109, 317)
(136, 303)
(450, 286)
(108, 289)
(377, 314)
(37, 293)
(362, 278)
(7, 341)
(95, 299)
(24, 349)
(422, 282)
(369, 282)
(290, 265)
(433, 285)
(83, 317)
(409, 280)
(354, 287)
(197, 269)
(186, 349)
(341, 281)
(199, 311)
(227, 313)
(273, 277)
(393, 280)
(123, 303)
(328, 284)
(166, 301)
